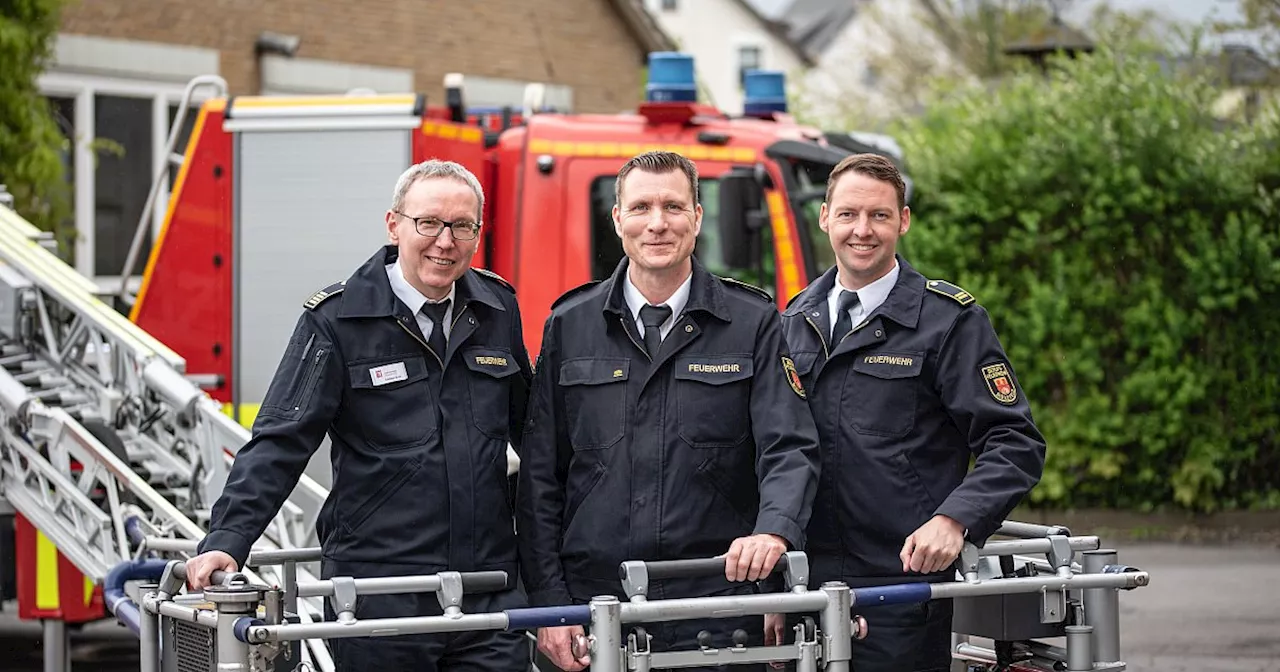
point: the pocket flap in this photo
(890, 365)
(495, 362)
(386, 372)
(594, 371)
(804, 361)
(714, 369)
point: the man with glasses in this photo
(415, 367)
(665, 423)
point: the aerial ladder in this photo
(107, 450)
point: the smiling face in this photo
(432, 264)
(863, 220)
(657, 219)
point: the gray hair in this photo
(435, 168)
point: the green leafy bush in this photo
(30, 143)
(1125, 243)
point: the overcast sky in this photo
(1188, 10)
(1191, 11)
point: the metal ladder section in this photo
(102, 437)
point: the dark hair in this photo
(873, 166)
(659, 162)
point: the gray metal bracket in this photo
(797, 574)
(450, 593)
(635, 580)
(344, 598)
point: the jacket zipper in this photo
(821, 339)
(623, 321)
(418, 338)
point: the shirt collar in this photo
(408, 294)
(636, 301)
(873, 294)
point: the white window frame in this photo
(82, 82)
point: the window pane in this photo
(64, 115)
(606, 248)
(123, 178)
(184, 135)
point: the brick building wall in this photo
(524, 40)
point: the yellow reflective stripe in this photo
(787, 265)
(614, 150)
(88, 590)
(450, 131)
(46, 573)
(248, 412)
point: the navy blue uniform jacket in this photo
(902, 403)
(628, 459)
(419, 463)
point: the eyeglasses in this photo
(432, 227)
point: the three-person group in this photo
(671, 414)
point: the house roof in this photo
(816, 23)
(643, 26)
(780, 30)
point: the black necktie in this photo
(844, 323)
(436, 312)
(653, 317)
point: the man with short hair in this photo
(416, 368)
(663, 425)
(907, 381)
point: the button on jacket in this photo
(419, 438)
(902, 402)
(631, 459)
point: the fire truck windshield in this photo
(808, 190)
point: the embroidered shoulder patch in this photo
(951, 291)
(1000, 383)
(793, 377)
(324, 294)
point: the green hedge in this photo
(1125, 243)
(30, 143)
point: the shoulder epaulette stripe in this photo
(749, 287)
(490, 274)
(950, 291)
(575, 291)
(320, 296)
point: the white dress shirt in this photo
(415, 300)
(636, 301)
(869, 298)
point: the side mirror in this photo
(742, 215)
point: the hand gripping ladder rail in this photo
(94, 408)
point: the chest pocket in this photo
(880, 392)
(490, 382)
(804, 362)
(595, 398)
(713, 394)
(392, 402)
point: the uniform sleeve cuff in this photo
(228, 542)
(783, 527)
(977, 528)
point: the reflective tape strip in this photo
(46, 573)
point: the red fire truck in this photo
(278, 197)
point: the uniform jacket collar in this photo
(706, 294)
(902, 305)
(368, 294)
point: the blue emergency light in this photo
(671, 78)
(764, 92)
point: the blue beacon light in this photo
(671, 78)
(764, 92)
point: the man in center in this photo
(663, 425)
